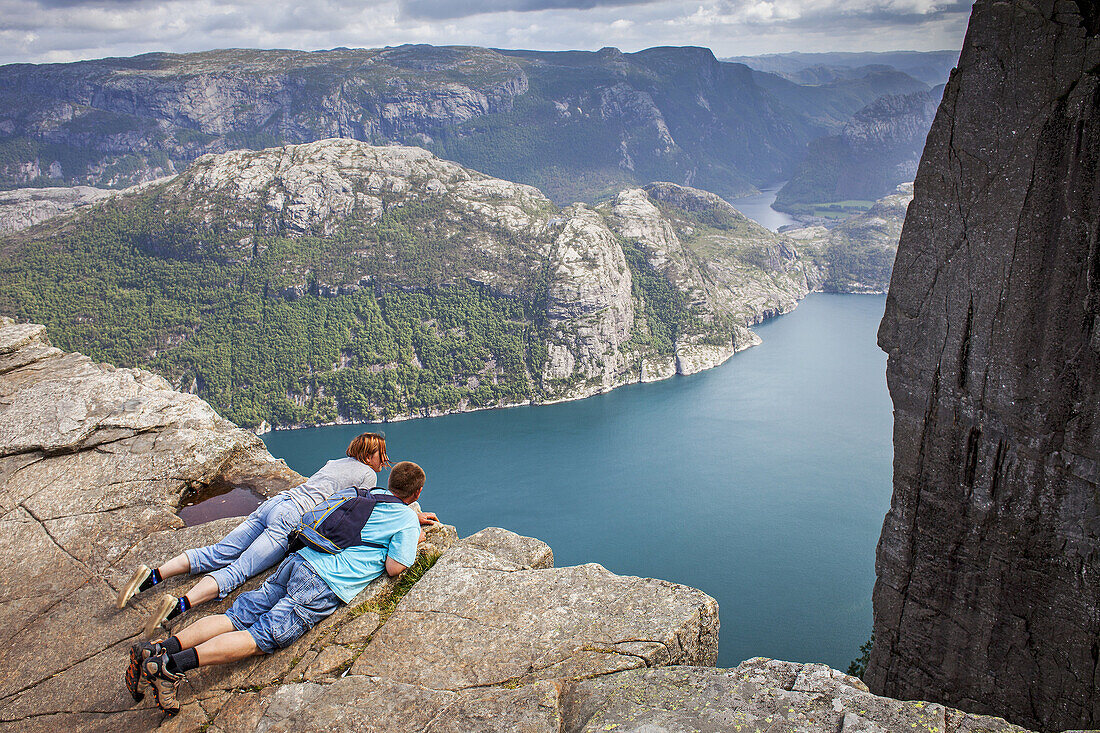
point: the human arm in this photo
(425, 518)
(394, 568)
(402, 550)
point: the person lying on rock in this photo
(261, 540)
(306, 588)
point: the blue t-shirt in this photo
(349, 572)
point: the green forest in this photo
(132, 289)
(249, 324)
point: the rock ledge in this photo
(93, 462)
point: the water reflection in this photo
(217, 501)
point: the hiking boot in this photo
(164, 607)
(165, 684)
(140, 576)
(139, 652)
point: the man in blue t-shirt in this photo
(306, 588)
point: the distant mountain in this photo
(336, 281)
(579, 125)
(831, 104)
(878, 148)
(930, 67)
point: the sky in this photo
(69, 30)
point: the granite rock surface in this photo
(989, 558)
(25, 207)
(93, 460)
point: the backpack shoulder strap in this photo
(386, 498)
(383, 498)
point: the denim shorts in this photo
(290, 602)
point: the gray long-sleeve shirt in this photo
(335, 475)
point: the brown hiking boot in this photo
(165, 684)
(164, 607)
(140, 575)
(139, 652)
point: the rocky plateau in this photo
(93, 462)
(24, 207)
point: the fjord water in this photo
(763, 482)
(759, 208)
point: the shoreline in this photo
(532, 403)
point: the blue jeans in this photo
(256, 544)
(291, 601)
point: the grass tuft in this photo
(386, 604)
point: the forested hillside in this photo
(857, 255)
(340, 281)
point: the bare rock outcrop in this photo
(93, 462)
(314, 187)
(25, 207)
(989, 558)
(484, 616)
(758, 695)
(590, 310)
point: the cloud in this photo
(779, 13)
(63, 30)
(440, 9)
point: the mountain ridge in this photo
(579, 125)
(340, 281)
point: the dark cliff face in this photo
(989, 560)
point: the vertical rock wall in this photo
(989, 560)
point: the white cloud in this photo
(54, 30)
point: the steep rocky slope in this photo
(93, 461)
(340, 281)
(576, 124)
(989, 559)
(832, 103)
(857, 255)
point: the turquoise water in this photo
(763, 482)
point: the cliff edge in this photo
(989, 558)
(493, 637)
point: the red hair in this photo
(366, 445)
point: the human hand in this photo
(427, 518)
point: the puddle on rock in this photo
(217, 501)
